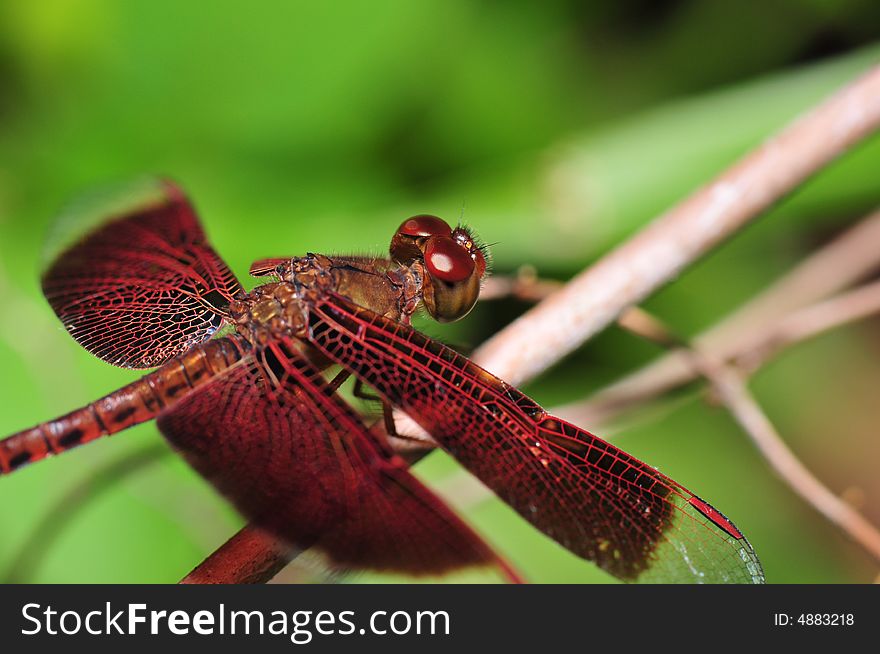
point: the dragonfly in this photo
(242, 386)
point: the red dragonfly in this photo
(242, 390)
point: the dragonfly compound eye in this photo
(409, 241)
(446, 260)
(452, 283)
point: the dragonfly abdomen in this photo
(133, 404)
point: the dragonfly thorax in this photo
(270, 311)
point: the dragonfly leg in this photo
(339, 380)
(360, 391)
(411, 448)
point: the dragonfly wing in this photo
(145, 285)
(596, 500)
(298, 461)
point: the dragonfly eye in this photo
(454, 264)
(409, 240)
(447, 261)
(452, 283)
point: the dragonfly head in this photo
(453, 260)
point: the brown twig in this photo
(659, 252)
(525, 285)
(762, 344)
(847, 259)
(808, 322)
(252, 556)
(733, 393)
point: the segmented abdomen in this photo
(130, 405)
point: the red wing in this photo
(297, 460)
(596, 500)
(145, 286)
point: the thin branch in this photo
(659, 252)
(252, 556)
(808, 322)
(525, 285)
(847, 259)
(755, 350)
(735, 396)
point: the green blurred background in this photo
(557, 128)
